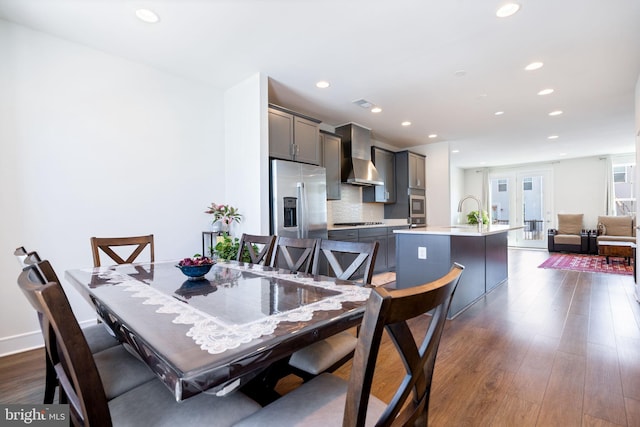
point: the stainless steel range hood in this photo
(357, 168)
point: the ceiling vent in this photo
(363, 103)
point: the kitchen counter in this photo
(461, 230)
(427, 253)
(382, 223)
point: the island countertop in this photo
(460, 230)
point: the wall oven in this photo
(417, 208)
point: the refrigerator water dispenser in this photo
(290, 212)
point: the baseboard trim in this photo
(27, 341)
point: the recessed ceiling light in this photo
(322, 84)
(507, 10)
(534, 66)
(498, 113)
(555, 113)
(433, 135)
(376, 110)
(455, 151)
(406, 123)
(147, 15)
(545, 91)
(562, 154)
(553, 137)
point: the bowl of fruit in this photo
(195, 267)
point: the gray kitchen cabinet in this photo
(330, 148)
(391, 246)
(346, 235)
(379, 234)
(416, 171)
(410, 173)
(385, 163)
(293, 136)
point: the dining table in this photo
(215, 334)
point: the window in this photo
(620, 174)
(502, 185)
(623, 189)
(527, 184)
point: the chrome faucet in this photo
(479, 215)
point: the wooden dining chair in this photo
(346, 260)
(327, 400)
(83, 383)
(107, 245)
(258, 248)
(120, 371)
(294, 254)
(26, 258)
(98, 336)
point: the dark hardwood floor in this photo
(546, 348)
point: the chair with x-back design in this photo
(107, 245)
(328, 400)
(345, 260)
(294, 254)
(259, 248)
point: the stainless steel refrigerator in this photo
(298, 200)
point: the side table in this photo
(208, 240)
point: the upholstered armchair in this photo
(570, 236)
(613, 228)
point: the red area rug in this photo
(589, 263)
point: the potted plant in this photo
(472, 217)
(223, 216)
(227, 248)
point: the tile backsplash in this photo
(351, 209)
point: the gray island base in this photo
(427, 253)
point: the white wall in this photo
(438, 189)
(93, 144)
(457, 193)
(580, 188)
(637, 178)
(247, 152)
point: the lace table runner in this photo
(216, 336)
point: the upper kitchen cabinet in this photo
(330, 148)
(416, 171)
(385, 163)
(293, 136)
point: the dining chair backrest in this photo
(259, 248)
(390, 310)
(33, 280)
(294, 254)
(69, 353)
(346, 259)
(39, 273)
(26, 258)
(106, 245)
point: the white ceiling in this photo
(402, 55)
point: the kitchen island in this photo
(427, 253)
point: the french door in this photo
(522, 198)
